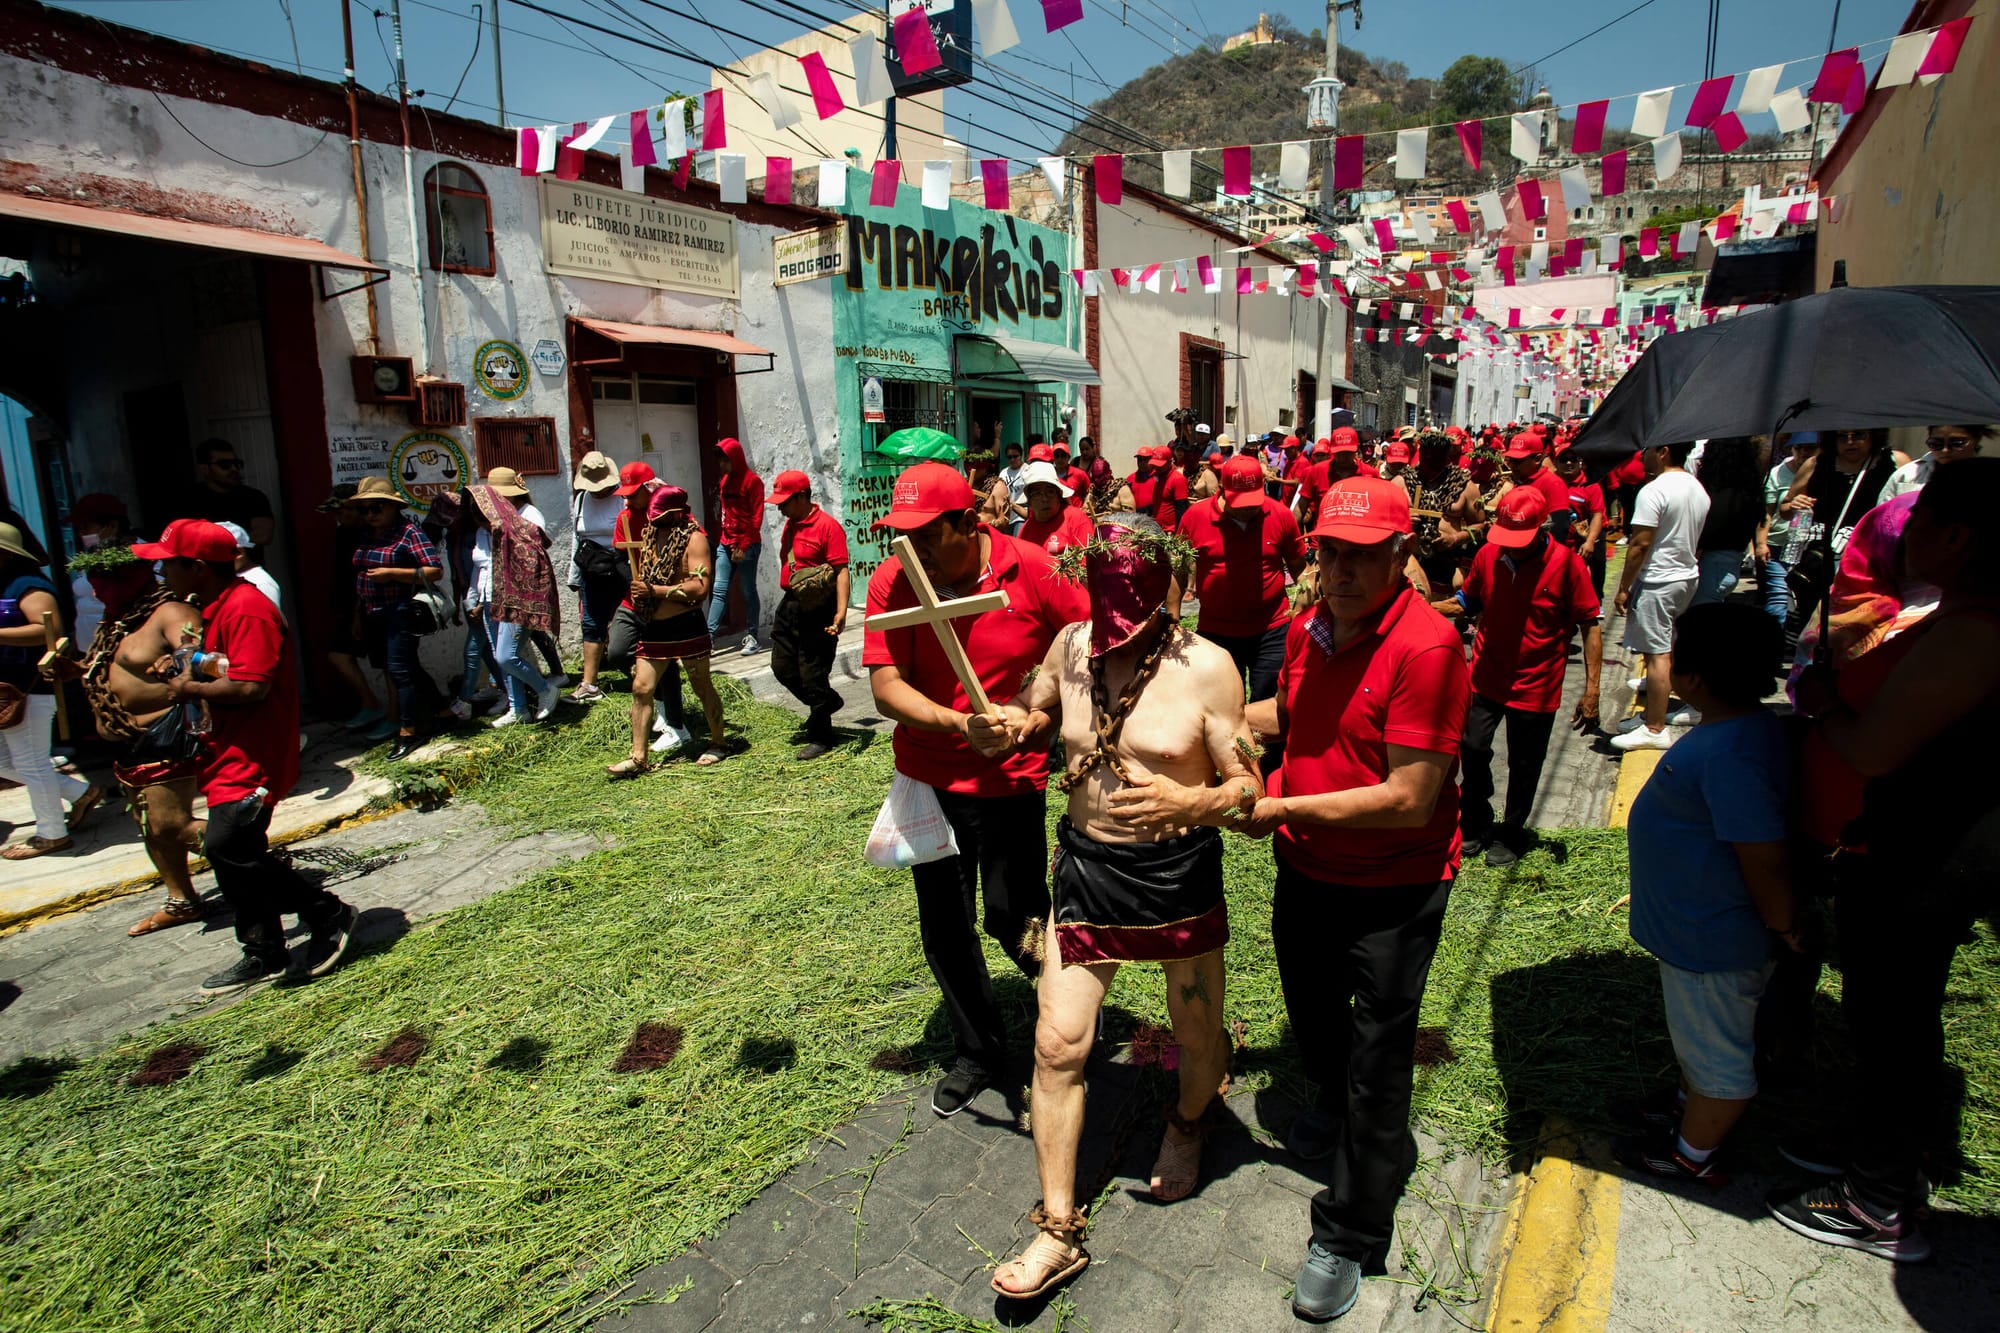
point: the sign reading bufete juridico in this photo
(588, 232)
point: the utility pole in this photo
(1323, 113)
(410, 192)
(499, 86)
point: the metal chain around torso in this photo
(1109, 718)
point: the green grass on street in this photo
(508, 1177)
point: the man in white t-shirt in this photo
(1661, 572)
(249, 568)
(1017, 487)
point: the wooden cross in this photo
(635, 552)
(939, 615)
(58, 648)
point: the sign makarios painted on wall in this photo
(588, 232)
(975, 279)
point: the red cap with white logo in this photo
(1364, 509)
(924, 493)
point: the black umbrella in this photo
(1853, 358)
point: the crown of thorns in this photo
(101, 558)
(1170, 549)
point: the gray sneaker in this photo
(750, 646)
(1327, 1286)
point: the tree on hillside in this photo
(1475, 87)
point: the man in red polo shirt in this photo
(1072, 476)
(1157, 486)
(1530, 593)
(1527, 464)
(251, 759)
(1343, 460)
(812, 608)
(1371, 703)
(990, 782)
(1245, 545)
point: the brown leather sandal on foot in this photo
(34, 847)
(80, 808)
(1177, 1170)
(175, 912)
(1052, 1258)
(627, 767)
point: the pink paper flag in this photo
(1385, 235)
(681, 171)
(1061, 13)
(1461, 220)
(1236, 171)
(777, 180)
(1308, 277)
(1556, 266)
(569, 162)
(1709, 99)
(888, 175)
(640, 128)
(1246, 281)
(1347, 162)
(1725, 227)
(1857, 90)
(1533, 206)
(1649, 242)
(1204, 268)
(1588, 136)
(916, 48)
(1942, 57)
(993, 175)
(1109, 169)
(1799, 212)
(1503, 260)
(1729, 132)
(1120, 278)
(1321, 242)
(1611, 317)
(1831, 85)
(1470, 136)
(1461, 275)
(530, 150)
(1148, 273)
(1573, 252)
(1556, 315)
(1514, 317)
(713, 132)
(1613, 166)
(826, 96)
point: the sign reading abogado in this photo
(801, 256)
(589, 232)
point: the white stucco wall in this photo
(1139, 335)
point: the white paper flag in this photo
(1152, 284)
(1690, 236)
(589, 138)
(1420, 223)
(833, 182)
(937, 184)
(1589, 262)
(1667, 156)
(1356, 239)
(1405, 310)
(1608, 247)
(631, 176)
(1527, 144)
(1175, 168)
(1758, 85)
(996, 26)
(1411, 146)
(1280, 281)
(1539, 250)
(1364, 307)
(729, 173)
(545, 148)
(1180, 275)
(1090, 284)
(871, 70)
(673, 131)
(1491, 211)
(1432, 280)
(1056, 169)
(1649, 117)
(1905, 54)
(1214, 283)
(1575, 188)
(1789, 107)
(1294, 164)
(764, 91)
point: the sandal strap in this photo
(1069, 1230)
(1196, 1128)
(181, 907)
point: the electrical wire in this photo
(254, 166)
(1587, 36)
(478, 30)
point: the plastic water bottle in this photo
(189, 659)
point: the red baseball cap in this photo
(1041, 453)
(1242, 482)
(788, 484)
(1396, 452)
(1364, 509)
(1159, 453)
(925, 492)
(1518, 517)
(1345, 440)
(1293, 442)
(1525, 445)
(633, 476)
(190, 539)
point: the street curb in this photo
(1556, 1259)
(104, 893)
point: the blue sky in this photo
(552, 74)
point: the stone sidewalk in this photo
(902, 1206)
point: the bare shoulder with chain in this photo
(1164, 714)
(118, 670)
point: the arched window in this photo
(460, 220)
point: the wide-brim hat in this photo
(506, 481)
(14, 543)
(371, 490)
(595, 475)
(1044, 474)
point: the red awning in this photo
(180, 231)
(664, 337)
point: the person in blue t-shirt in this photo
(1711, 890)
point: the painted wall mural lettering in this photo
(975, 278)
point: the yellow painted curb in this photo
(1633, 770)
(1560, 1251)
(104, 893)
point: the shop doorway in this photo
(653, 420)
(996, 423)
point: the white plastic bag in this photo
(910, 829)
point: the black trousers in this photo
(1527, 748)
(1352, 963)
(802, 659)
(1257, 656)
(1003, 853)
(257, 886)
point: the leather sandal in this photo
(80, 808)
(175, 912)
(1177, 1170)
(712, 756)
(1052, 1258)
(625, 768)
(34, 847)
